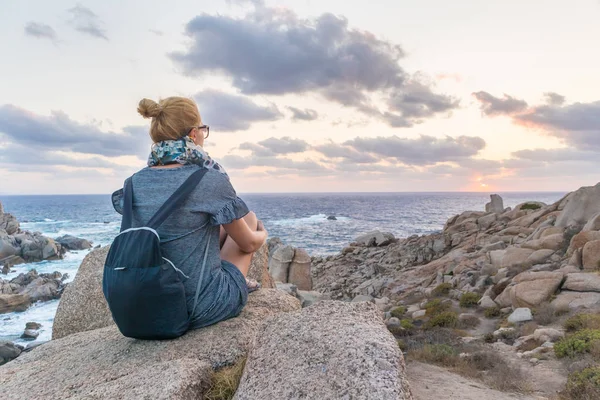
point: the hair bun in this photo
(149, 108)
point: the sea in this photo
(299, 219)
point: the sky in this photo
(305, 95)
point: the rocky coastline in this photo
(17, 247)
(503, 296)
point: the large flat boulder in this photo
(568, 300)
(331, 350)
(83, 307)
(582, 282)
(534, 288)
(103, 364)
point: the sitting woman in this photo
(212, 217)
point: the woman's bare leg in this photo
(231, 252)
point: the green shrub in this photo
(442, 289)
(398, 312)
(406, 324)
(584, 384)
(582, 321)
(437, 306)
(492, 312)
(530, 206)
(469, 299)
(446, 319)
(578, 343)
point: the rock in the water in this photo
(8, 351)
(591, 256)
(580, 206)
(279, 265)
(350, 356)
(299, 271)
(33, 325)
(102, 364)
(375, 238)
(520, 315)
(496, 205)
(332, 218)
(70, 242)
(14, 302)
(30, 334)
(9, 223)
(7, 249)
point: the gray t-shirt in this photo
(184, 235)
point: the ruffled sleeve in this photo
(232, 210)
(117, 201)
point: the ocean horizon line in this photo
(315, 193)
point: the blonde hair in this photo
(172, 117)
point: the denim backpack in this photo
(143, 289)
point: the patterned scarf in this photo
(183, 151)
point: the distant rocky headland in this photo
(507, 298)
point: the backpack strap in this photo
(126, 220)
(176, 199)
(200, 278)
(168, 206)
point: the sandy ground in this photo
(429, 382)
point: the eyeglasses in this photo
(205, 129)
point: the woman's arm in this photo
(248, 239)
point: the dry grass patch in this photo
(529, 328)
(582, 321)
(225, 382)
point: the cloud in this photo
(556, 155)
(577, 124)
(491, 105)
(275, 52)
(21, 154)
(279, 163)
(59, 132)
(230, 113)
(554, 99)
(274, 146)
(345, 152)
(86, 21)
(424, 150)
(156, 32)
(40, 30)
(303, 115)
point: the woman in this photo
(213, 210)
